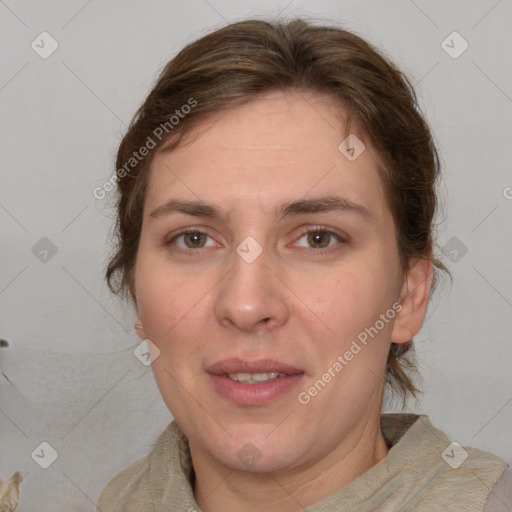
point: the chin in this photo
(258, 453)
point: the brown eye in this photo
(193, 239)
(190, 239)
(319, 239)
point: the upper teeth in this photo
(252, 378)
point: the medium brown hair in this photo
(245, 60)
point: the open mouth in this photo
(253, 382)
(255, 378)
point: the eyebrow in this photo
(291, 208)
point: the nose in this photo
(251, 297)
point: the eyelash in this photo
(316, 229)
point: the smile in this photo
(255, 378)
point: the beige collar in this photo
(422, 472)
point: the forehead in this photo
(281, 120)
(279, 147)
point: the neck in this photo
(219, 488)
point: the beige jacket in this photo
(423, 471)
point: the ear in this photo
(139, 326)
(414, 300)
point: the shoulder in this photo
(500, 497)
(116, 496)
(133, 488)
(448, 476)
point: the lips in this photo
(253, 393)
(237, 365)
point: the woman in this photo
(277, 192)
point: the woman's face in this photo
(291, 262)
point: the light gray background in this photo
(73, 379)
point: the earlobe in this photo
(139, 327)
(414, 297)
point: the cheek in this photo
(350, 347)
(173, 307)
(342, 300)
(164, 297)
(346, 307)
